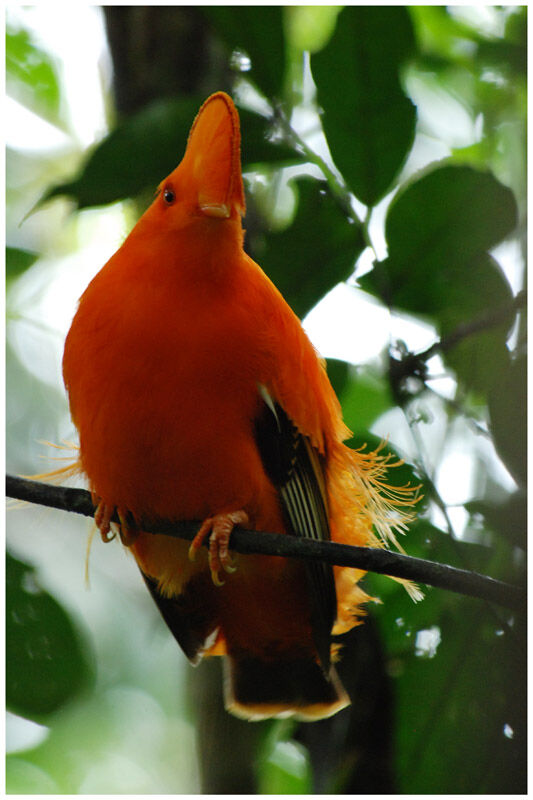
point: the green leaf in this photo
(46, 666)
(18, 261)
(368, 120)
(478, 359)
(508, 415)
(317, 251)
(504, 55)
(258, 32)
(439, 33)
(508, 519)
(434, 227)
(310, 27)
(31, 75)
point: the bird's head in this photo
(207, 184)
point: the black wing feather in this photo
(295, 468)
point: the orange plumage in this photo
(197, 395)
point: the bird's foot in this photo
(126, 529)
(218, 529)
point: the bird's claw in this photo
(102, 518)
(108, 529)
(219, 529)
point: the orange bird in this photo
(197, 395)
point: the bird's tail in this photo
(291, 687)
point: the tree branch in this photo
(490, 319)
(370, 559)
(415, 364)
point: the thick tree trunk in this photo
(161, 51)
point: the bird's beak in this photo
(215, 210)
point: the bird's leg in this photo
(219, 529)
(102, 518)
(128, 531)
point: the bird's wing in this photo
(193, 623)
(296, 469)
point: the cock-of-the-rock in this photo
(197, 395)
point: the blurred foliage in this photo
(507, 406)
(438, 687)
(453, 214)
(260, 37)
(40, 636)
(18, 261)
(31, 74)
(321, 255)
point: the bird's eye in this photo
(169, 195)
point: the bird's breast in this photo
(164, 404)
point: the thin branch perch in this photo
(415, 364)
(490, 319)
(276, 544)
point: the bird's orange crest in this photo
(212, 160)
